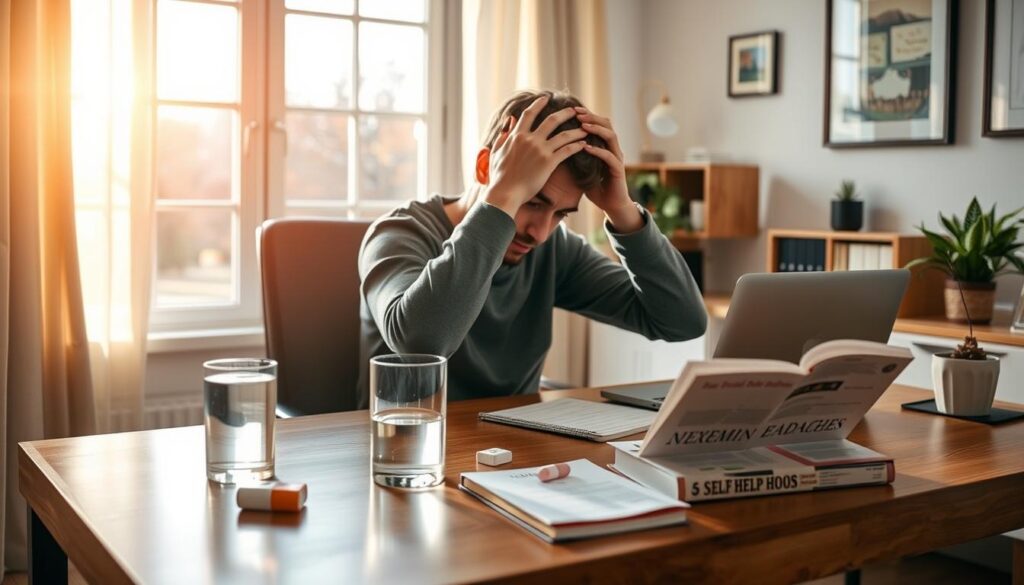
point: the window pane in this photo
(194, 152)
(390, 157)
(318, 62)
(197, 52)
(391, 68)
(328, 6)
(194, 249)
(316, 166)
(410, 10)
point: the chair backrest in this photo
(310, 274)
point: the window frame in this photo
(260, 146)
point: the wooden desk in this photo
(137, 507)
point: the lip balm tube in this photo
(273, 497)
(553, 472)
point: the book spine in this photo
(722, 486)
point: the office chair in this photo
(309, 271)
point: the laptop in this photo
(779, 316)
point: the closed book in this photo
(791, 255)
(761, 471)
(885, 257)
(871, 256)
(856, 257)
(840, 256)
(819, 255)
(590, 501)
(801, 255)
(782, 249)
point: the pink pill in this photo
(552, 472)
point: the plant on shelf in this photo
(965, 379)
(847, 210)
(665, 203)
(847, 190)
(973, 253)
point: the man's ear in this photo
(483, 166)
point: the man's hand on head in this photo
(613, 196)
(522, 160)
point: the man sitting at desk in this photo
(475, 277)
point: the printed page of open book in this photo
(721, 405)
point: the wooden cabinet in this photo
(729, 192)
(892, 250)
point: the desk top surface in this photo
(137, 507)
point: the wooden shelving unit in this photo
(924, 292)
(729, 193)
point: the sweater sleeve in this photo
(651, 293)
(424, 301)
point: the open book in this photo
(734, 427)
(591, 501)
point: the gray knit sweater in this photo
(429, 287)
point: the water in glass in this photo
(239, 416)
(408, 447)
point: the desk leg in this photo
(1018, 561)
(47, 562)
(852, 577)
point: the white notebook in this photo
(591, 501)
(597, 421)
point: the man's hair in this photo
(588, 171)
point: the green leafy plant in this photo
(847, 191)
(976, 250)
(666, 204)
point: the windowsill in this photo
(203, 339)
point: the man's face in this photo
(540, 216)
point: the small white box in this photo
(494, 456)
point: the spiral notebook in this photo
(597, 421)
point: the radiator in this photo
(161, 413)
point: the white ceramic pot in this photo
(964, 387)
(697, 214)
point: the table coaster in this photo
(996, 416)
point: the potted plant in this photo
(665, 203)
(965, 379)
(847, 210)
(972, 254)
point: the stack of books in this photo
(736, 428)
(801, 255)
(861, 256)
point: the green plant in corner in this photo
(976, 250)
(847, 191)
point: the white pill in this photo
(494, 456)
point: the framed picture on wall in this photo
(889, 67)
(1003, 106)
(754, 64)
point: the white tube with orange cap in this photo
(272, 497)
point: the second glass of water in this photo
(407, 413)
(240, 403)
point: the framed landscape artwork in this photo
(889, 68)
(1003, 106)
(753, 64)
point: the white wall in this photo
(685, 45)
(626, 61)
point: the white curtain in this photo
(45, 384)
(111, 97)
(551, 44)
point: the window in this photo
(275, 108)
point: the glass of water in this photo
(239, 406)
(407, 414)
